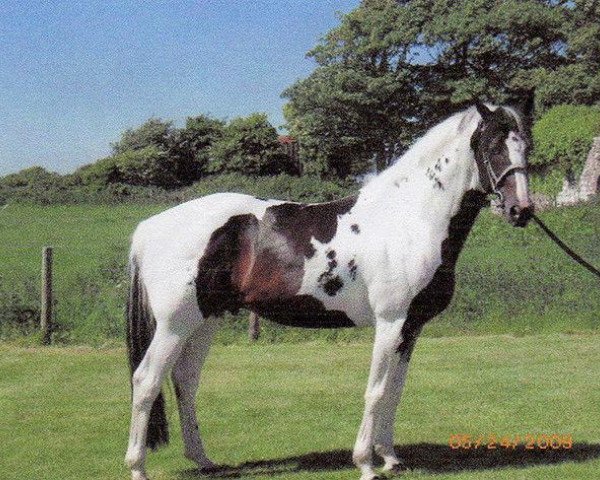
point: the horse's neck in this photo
(430, 181)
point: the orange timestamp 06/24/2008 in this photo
(528, 441)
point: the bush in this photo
(86, 187)
(563, 137)
(35, 185)
(249, 146)
(148, 166)
(102, 172)
(285, 187)
(31, 176)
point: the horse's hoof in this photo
(138, 475)
(395, 469)
(373, 476)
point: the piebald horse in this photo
(384, 257)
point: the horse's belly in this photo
(302, 311)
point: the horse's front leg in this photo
(384, 432)
(186, 378)
(384, 366)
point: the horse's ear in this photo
(484, 111)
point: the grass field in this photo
(508, 281)
(291, 411)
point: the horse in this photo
(385, 258)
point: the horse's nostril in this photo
(514, 211)
(527, 213)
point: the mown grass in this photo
(509, 280)
(291, 411)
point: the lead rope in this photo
(565, 248)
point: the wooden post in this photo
(253, 327)
(46, 309)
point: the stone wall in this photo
(589, 182)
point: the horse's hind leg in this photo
(147, 381)
(174, 324)
(186, 378)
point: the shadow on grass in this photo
(426, 457)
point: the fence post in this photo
(253, 327)
(46, 307)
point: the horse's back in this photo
(190, 224)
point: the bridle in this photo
(494, 179)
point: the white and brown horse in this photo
(384, 258)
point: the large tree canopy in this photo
(153, 132)
(393, 68)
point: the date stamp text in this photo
(528, 441)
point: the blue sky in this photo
(74, 75)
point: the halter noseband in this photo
(496, 180)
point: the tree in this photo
(344, 116)
(190, 147)
(391, 69)
(248, 145)
(155, 132)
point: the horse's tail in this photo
(140, 330)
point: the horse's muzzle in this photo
(520, 214)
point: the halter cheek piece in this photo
(495, 180)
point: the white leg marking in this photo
(186, 377)
(381, 377)
(147, 381)
(384, 439)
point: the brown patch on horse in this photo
(301, 311)
(284, 241)
(260, 265)
(223, 261)
(298, 223)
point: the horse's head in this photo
(501, 145)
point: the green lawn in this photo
(291, 411)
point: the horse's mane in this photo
(424, 148)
